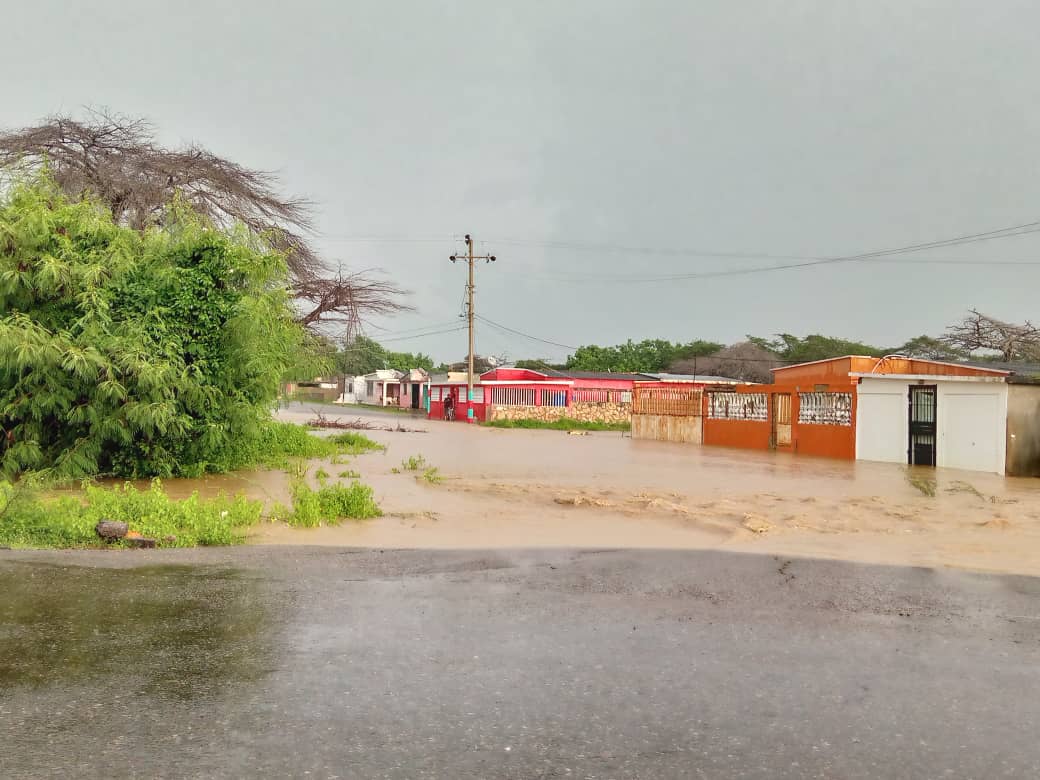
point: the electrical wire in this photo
(506, 328)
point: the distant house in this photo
(379, 388)
(518, 393)
(413, 387)
(894, 409)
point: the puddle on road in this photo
(172, 631)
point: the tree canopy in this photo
(649, 355)
(135, 353)
(364, 355)
(119, 163)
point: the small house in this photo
(894, 409)
(413, 388)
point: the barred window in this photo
(825, 408)
(737, 406)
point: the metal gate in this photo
(922, 426)
(781, 420)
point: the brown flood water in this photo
(520, 488)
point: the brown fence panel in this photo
(675, 401)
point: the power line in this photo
(876, 255)
(521, 333)
(424, 335)
(589, 246)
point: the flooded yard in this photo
(522, 488)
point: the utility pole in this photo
(470, 258)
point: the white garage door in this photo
(971, 433)
(881, 420)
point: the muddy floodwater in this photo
(521, 488)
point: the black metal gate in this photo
(922, 426)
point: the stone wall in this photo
(613, 414)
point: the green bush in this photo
(154, 353)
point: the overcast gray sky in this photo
(802, 127)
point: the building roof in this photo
(705, 378)
(593, 375)
(852, 366)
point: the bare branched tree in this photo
(978, 331)
(118, 160)
(745, 361)
(343, 300)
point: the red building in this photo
(526, 387)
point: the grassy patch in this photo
(29, 520)
(413, 463)
(562, 424)
(330, 504)
(279, 443)
(353, 443)
(349, 474)
(432, 475)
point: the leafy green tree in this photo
(134, 353)
(930, 349)
(649, 355)
(794, 349)
(364, 355)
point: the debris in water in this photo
(357, 424)
(756, 524)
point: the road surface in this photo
(340, 663)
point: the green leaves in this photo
(138, 354)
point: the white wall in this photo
(971, 421)
(882, 424)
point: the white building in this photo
(957, 422)
(379, 388)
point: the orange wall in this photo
(829, 441)
(749, 434)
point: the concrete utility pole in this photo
(470, 258)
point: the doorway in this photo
(781, 432)
(921, 451)
(415, 396)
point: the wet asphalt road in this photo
(325, 663)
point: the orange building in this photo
(869, 408)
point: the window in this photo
(370, 389)
(737, 406)
(825, 408)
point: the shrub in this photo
(331, 503)
(152, 353)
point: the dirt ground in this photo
(521, 488)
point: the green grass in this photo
(353, 443)
(413, 463)
(349, 474)
(279, 443)
(28, 519)
(432, 475)
(390, 409)
(331, 504)
(562, 424)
